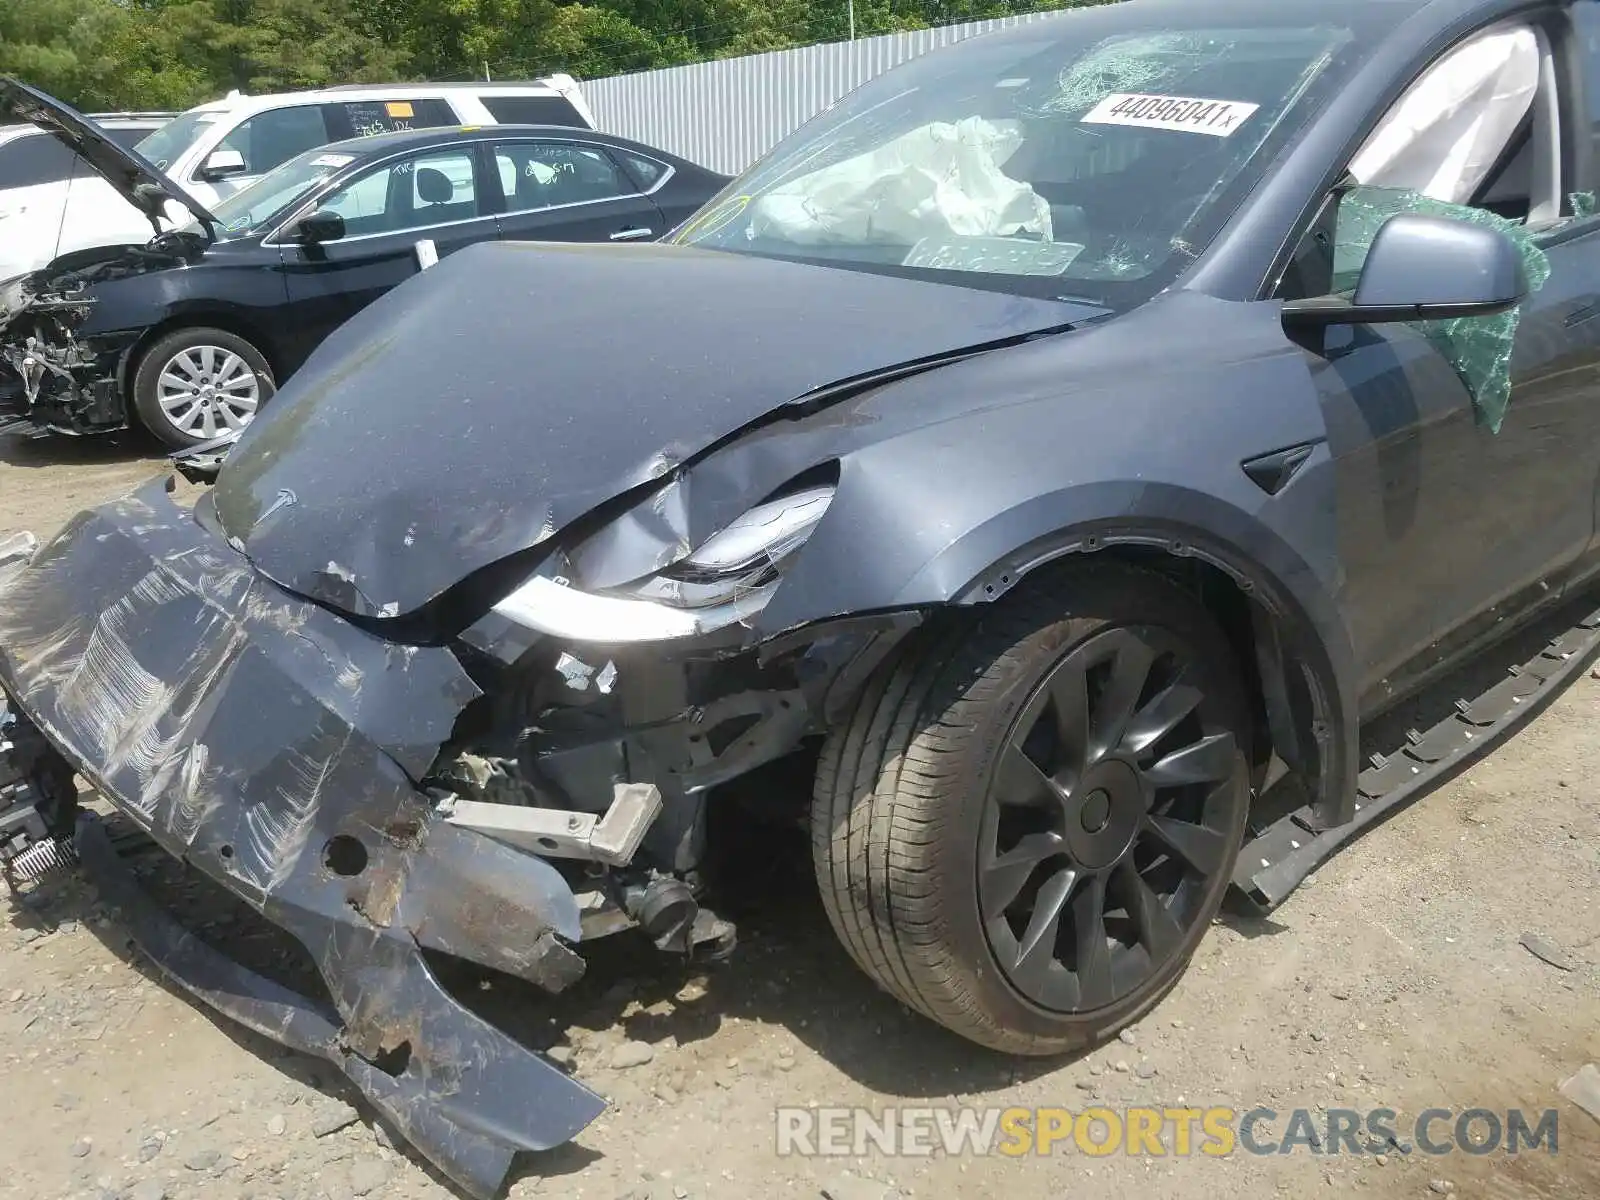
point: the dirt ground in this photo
(1395, 979)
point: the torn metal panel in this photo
(437, 1103)
(66, 370)
(277, 748)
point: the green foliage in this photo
(100, 54)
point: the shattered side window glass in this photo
(1479, 348)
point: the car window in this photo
(124, 136)
(1455, 126)
(646, 170)
(371, 117)
(1095, 157)
(422, 190)
(165, 145)
(540, 174)
(532, 110)
(1586, 17)
(257, 203)
(34, 159)
(277, 135)
(368, 197)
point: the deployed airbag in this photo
(942, 178)
(1449, 130)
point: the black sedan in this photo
(1052, 456)
(191, 333)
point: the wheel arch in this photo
(1283, 624)
(225, 319)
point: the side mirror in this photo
(1424, 269)
(221, 164)
(323, 225)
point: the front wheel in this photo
(195, 385)
(1031, 818)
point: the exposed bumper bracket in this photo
(558, 833)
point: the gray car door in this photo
(1463, 460)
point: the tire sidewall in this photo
(969, 943)
(146, 403)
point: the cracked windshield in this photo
(1094, 169)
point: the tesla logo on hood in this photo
(284, 500)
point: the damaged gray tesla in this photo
(1056, 450)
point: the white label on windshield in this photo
(333, 160)
(1190, 114)
(427, 254)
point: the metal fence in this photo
(727, 113)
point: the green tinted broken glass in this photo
(1479, 348)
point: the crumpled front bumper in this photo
(72, 389)
(276, 747)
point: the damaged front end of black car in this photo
(62, 363)
(60, 372)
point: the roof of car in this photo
(379, 143)
(1374, 18)
(21, 129)
(240, 102)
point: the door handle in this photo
(631, 235)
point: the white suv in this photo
(215, 149)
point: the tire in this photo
(908, 831)
(210, 410)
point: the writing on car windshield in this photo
(1095, 160)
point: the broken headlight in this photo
(726, 579)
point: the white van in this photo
(215, 149)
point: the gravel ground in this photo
(1396, 978)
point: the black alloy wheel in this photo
(1033, 812)
(1108, 821)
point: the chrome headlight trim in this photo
(728, 579)
(565, 612)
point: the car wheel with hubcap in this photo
(195, 385)
(1033, 814)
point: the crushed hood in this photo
(480, 407)
(135, 178)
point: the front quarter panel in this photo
(1135, 428)
(240, 287)
(1135, 432)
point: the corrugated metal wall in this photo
(727, 113)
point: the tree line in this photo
(160, 54)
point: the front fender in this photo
(899, 557)
(910, 534)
